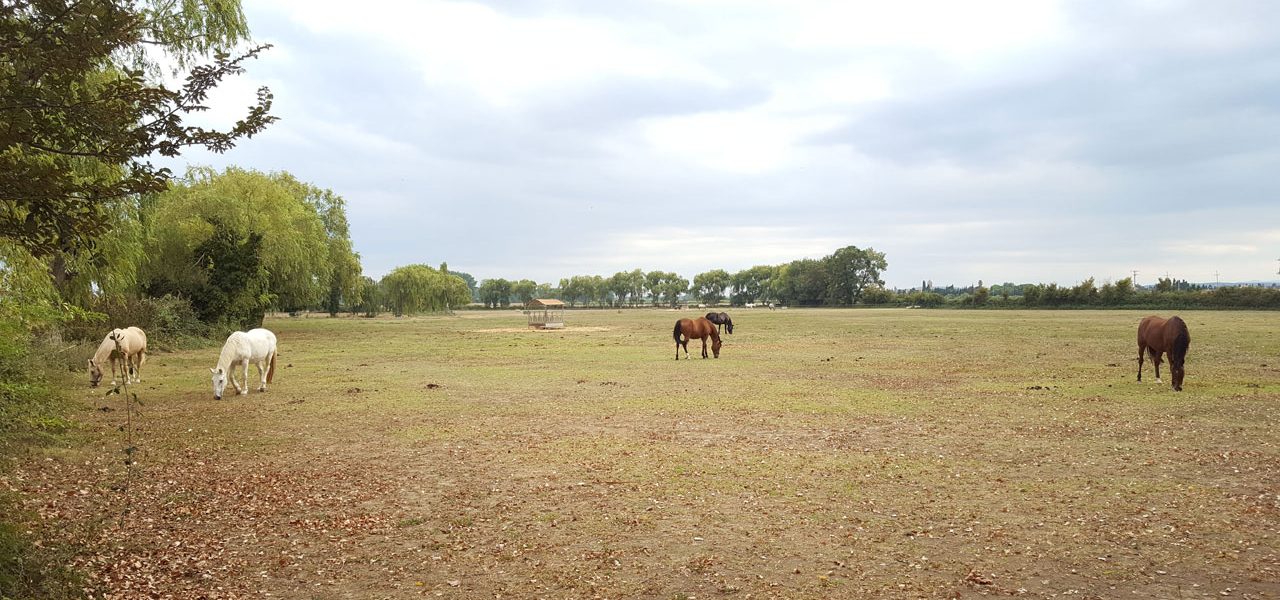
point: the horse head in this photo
(715, 347)
(95, 373)
(219, 382)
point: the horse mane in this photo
(230, 351)
(1181, 340)
(103, 355)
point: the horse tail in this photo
(676, 334)
(271, 369)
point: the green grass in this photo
(861, 453)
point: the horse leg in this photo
(1142, 349)
(262, 374)
(245, 391)
(704, 347)
(1155, 359)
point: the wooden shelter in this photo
(545, 313)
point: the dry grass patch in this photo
(825, 454)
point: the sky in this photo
(1007, 140)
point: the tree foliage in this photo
(495, 293)
(295, 247)
(82, 117)
(414, 289)
(710, 287)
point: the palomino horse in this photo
(257, 346)
(1157, 336)
(133, 344)
(721, 319)
(696, 328)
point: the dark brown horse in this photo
(696, 328)
(1157, 336)
(721, 319)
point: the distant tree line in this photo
(1167, 293)
(844, 278)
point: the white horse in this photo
(257, 346)
(133, 344)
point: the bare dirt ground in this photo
(853, 454)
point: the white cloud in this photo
(996, 140)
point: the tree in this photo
(295, 246)
(524, 291)
(709, 287)
(344, 278)
(754, 285)
(802, 282)
(673, 286)
(414, 289)
(467, 278)
(981, 295)
(82, 117)
(619, 287)
(653, 281)
(370, 301)
(1084, 293)
(850, 270)
(495, 292)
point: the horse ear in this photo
(214, 371)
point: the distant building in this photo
(545, 313)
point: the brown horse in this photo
(1157, 336)
(696, 328)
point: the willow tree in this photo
(238, 206)
(344, 284)
(414, 289)
(84, 107)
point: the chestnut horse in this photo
(1157, 336)
(721, 319)
(696, 328)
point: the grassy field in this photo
(827, 453)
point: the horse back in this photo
(133, 340)
(705, 327)
(262, 342)
(1149, 331)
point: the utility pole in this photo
(1135, 279)
(1216, 280)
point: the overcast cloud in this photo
(1004, 141)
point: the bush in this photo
(32, 412)
(170, 321)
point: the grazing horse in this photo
(257, 346)
(133, 344)
(696, 328)
(721, 319)
(1157, 336)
